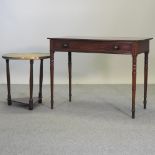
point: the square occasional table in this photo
(124, 45)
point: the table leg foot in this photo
(133, 114)
(52, 103)
(30, 104)
(9, 102)
(40, 98)
(70, 98)
(145, 102)
(40, 101)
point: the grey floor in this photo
(96, 122)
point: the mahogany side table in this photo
(31, 57)
(129, 46)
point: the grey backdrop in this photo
(25, 25)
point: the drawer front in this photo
(92, 46)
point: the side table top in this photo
(26, 56)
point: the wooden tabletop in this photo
(26, 56)
(104, 38)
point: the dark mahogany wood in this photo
(134, 71)
(145, 77)
(70, 74)
(130, 46)
(40, 81)
(8, 82)
(52, 72)
(31, 86)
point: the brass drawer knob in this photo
(65, 45)
(116, 47)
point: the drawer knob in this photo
(65, 45)
(116, 47)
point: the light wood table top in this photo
(26, 56)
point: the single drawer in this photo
(92, 46)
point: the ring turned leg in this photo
(52, 78)
(134, 66)
(31, 86)
(145, 77)
(8, 82)
(40, 81)
(70, 74)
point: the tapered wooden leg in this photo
(145, 77)
(70, 74)
(8, 82)
(134, 66)
(31, 86)
(52, 78)
(40, 81)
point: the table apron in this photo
(110, 47)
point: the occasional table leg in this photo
(8, 82)
(52, 78)
(145, 78)
(40, 81)
(134, 66)
(70, 74)
(31, 86)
